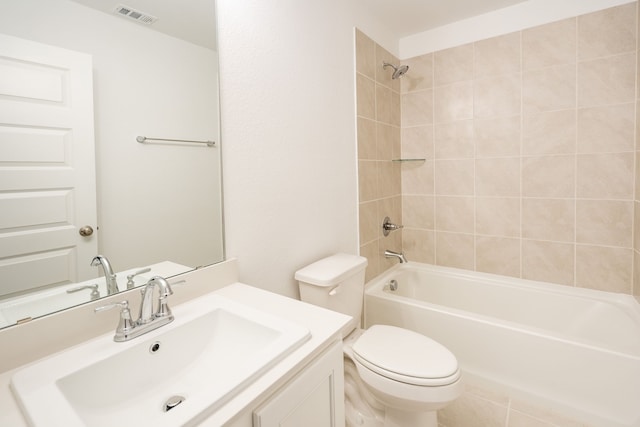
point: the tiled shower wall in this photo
(636, 226)
(378, 110)
(528, 141)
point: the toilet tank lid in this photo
(331, 270)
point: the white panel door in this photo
(47, 166)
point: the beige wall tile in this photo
(368, 215)
(604, 268)
(418, 177)
(389, 179)
(417, 142)
(548, 219)
(607, 32)
(548, 89)
(499, 176)
(549, 176)
(417, 108)
(497, 137)
(419, 245)
(636, 275)
(453, 102)
(395, 109)
(497, 96)
(454, 140)
(604, 222)
(609, 80)
(498, 255)
(497, 55)
(388, 138)
(384, 105)
(370, 252)
(418, 212)
(455, 214)
(637, 175)
(368, 180)
(606, 129)
(636, 227)
(453, 65)
(551, 262)
(549, 44)
(551, 132)
(455, 250)
(420, 75)
(366, 139)
(454, 177)
(605, 176)
(498, 216)
(365, 55)
(366, 97)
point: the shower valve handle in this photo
(388, 226)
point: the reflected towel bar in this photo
(142, 139)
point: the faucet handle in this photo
(125, 324)
(388, 226)
(95, 293)
(123, 304)
(130, 282)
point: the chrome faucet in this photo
(109, 275)
(391, 254)
(146, 306)
(149, 320)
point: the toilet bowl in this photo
(393, 376)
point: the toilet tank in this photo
(335, 283)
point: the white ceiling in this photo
(407, 17)
(192, 20)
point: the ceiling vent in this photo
(136, 15)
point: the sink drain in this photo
(172, 402)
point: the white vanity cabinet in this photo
(314, 398)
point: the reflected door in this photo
(47, 166)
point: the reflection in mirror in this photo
(78, 85)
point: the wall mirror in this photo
(80, 81)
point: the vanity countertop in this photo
(324, 326)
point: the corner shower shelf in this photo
(408, 160)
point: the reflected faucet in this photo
(391, 254)
(109, 275)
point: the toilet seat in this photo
(406, 356)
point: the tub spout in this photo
(391, 254)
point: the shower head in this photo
(398, 71)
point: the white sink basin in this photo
(213, 349)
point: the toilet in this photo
(394, 377)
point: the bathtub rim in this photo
(627, 303)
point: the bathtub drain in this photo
(172, 402)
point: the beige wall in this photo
(529, 141)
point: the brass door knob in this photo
(86, 231)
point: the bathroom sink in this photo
(175, 375)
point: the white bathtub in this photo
(574, 350)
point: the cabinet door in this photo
(315, 398)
